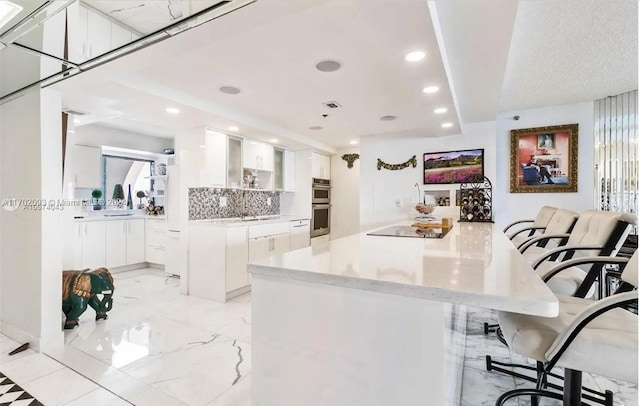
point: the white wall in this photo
(345, 195)
(380, 189)
(511, 206)
(104, 136)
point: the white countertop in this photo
(111, 217)
(237, 222)
(474, 264)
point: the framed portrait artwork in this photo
(544, 159)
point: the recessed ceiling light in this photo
(172, 110)
(273, 140)
(76, 120)
(233, 128)
(431, 89)
(440, 110)
(72, 131)
(415, 56)
(8, 10)
(328, 66)
(388, 118)
(447, 125)
(316, 127)
(354, 142)
(229, 90)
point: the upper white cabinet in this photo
(215, 158)
(320, 166)
(92, 34)
(119, 36)
(257, 155)
(283, 170)
(234, 162)
(289, 171)
(98, 35)
(87, 166)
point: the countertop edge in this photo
(523, 306)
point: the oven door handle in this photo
(320, 206)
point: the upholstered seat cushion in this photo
(608, 346)
(567, 281)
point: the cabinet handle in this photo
(300, 225)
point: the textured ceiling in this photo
(570, 51)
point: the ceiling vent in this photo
(332, 104)
(74, 112)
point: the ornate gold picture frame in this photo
(544, 159)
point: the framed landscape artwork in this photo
(452, 166)
(544, 159)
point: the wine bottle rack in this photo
(476, 200)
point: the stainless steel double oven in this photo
(320, 207)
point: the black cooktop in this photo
(407, 231)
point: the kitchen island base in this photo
(318, 344)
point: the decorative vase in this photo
(129, 199)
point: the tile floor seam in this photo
(87, 378)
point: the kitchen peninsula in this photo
(361, 320)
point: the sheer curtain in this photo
(616, 155)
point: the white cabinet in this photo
(289, 171)
(155, 234)
(87, 166)
(215, 158)
(320, 166)
(92, 246)
(283, 170)
(116, 243)
(299, 234)
(135, 241)
(257, 155)
(98, 35)
(124, 242)
(217, 261)
(236, 253)
(267, 240)
(119, 36)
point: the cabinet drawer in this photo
(155, 254)
(268, 229)
(155, 224)
(156, 237)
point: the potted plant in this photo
(96, 194)
(140, 195)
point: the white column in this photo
(30, 247)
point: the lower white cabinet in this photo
(92, 244)
(299, 234)
(116, 243)
(124, 242)
(217, 261)
(109, 243)
(135, 241)
(155, 241)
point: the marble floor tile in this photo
(238, 395)
(216, 364)
(59, 387)
(99, 396)
(30, 367)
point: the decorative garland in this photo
(394, 167)
(350, 158)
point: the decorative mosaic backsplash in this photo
(204, 203)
